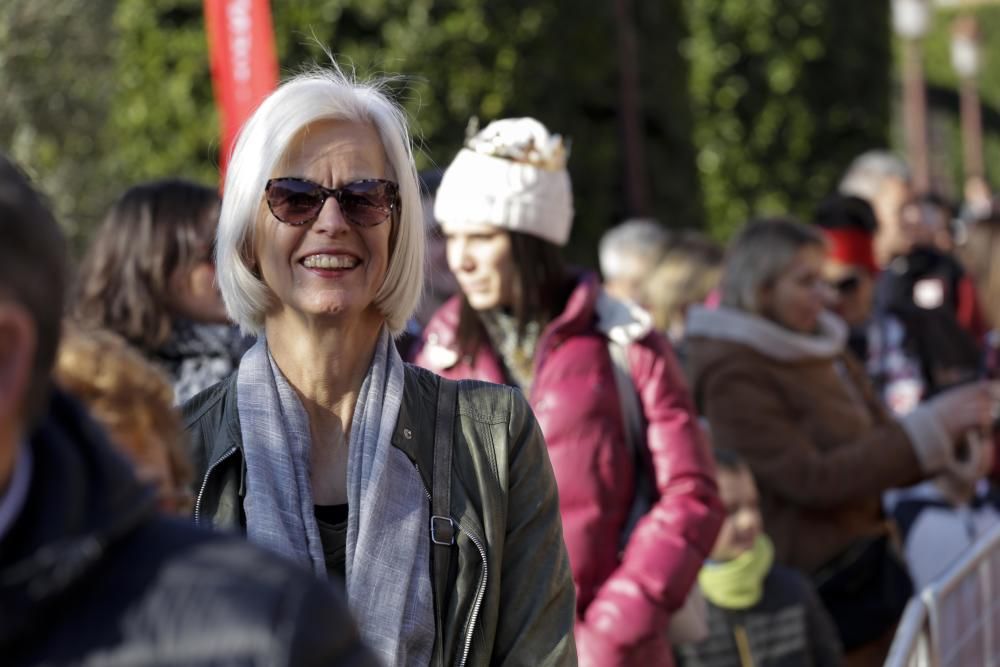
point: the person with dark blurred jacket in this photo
(89, 572)
(927, 326)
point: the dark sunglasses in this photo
(366, 203)
(847, 285)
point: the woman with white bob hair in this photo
(434, 500)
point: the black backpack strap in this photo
(443, 528)
(635, 440)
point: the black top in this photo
(332, 522)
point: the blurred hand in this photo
(966, 408)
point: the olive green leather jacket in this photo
(509, 598)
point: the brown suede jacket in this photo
(803, 414)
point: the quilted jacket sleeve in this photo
(669, 544)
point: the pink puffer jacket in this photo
(624, 601)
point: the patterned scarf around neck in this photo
(738, 583)
(388, 548)
(516, 351)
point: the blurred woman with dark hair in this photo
(523, 318)
(149, 276)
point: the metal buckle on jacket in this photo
(442, 530)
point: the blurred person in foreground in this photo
(770, 372)
(760, 613)
(687, 273)
(524, 319)
(89, 572)
(848, 224)
(628, 253)
(149, 276)
(433, 500)
(134, 402)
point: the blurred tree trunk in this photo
(630, 113)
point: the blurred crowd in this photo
(346, 413)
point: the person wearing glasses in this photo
(90, 572)
(636, 479)
(770, 373)
(149, 276)
(848, 224)
(435, 501)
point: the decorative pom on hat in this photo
(522, 140)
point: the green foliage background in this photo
(786, 93)
(745, 106)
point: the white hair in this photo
(315, 96)
(638, 239)
(868, 171)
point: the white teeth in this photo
(330, 262)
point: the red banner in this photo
(243, 60)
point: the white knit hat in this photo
(511, 175)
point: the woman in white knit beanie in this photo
(524, 318)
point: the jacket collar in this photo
(82, 499)
(410, 434)
(621, 321)
(766, 337)
(414, 433)
(587, 307)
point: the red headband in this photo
(850, 245)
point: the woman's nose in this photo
(459, 258)
(747, 520)
(330, 219)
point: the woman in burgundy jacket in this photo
(505, 206)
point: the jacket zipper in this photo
(480, 593)
(426, 492)
(204, 482)
(479, 597)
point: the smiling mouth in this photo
(334, 262)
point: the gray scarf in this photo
(388, 548)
